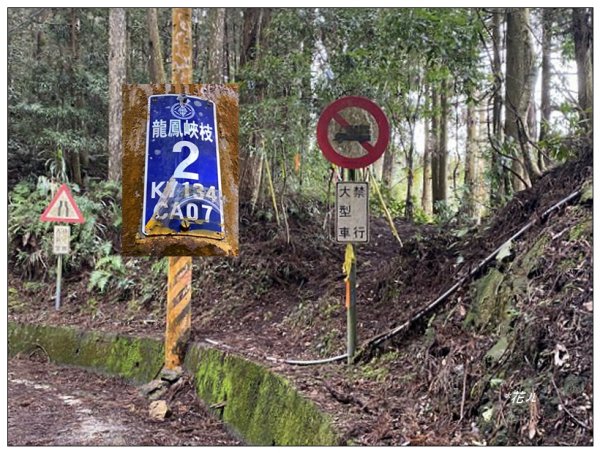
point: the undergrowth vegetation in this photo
(30, 239)
(94, 254)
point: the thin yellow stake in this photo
(272, 189)
(385, 209)
(179, 294)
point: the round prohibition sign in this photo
(333, 112)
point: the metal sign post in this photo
(62, 238)
(351, 227)
(62, 208)
(351, 281)
(58, 282)
(348, 145)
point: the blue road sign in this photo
(182, 184)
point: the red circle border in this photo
(379, 147)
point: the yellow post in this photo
(179, 294)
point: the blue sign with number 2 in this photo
(182, 186)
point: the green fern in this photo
(99, 279)
(160, 267)
(110, 271)
(30, 240)
(112, 263)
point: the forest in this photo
(485, 188)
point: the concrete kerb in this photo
(261, 407)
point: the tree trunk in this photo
(128, 58)
(470, 163)
(257, 162)
(232, 37)
(216, 48)
(255, 23)
(40, 41)
(377, 168)
(409, 208)
(546, 102)
(387, 167)
(582, 36)
(75, 166)
(75, 25)
(39, 35)
(435, 143)
(157, 67)
(182, 46)
(480, 186)
(457, 162)
(520, 77)
(442, 150)
(546, 106)
(75, 153)
(426, 192)
(532, 117)
(228, 48)
(116, 77)
(498, 189)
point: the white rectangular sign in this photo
(352, 212)
(62, 239)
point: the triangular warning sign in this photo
(62, 208)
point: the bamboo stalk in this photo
(386, 211)
(272, 190)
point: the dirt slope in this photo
(521, 331)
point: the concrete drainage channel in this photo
(258, 405)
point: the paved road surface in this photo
(57, 405)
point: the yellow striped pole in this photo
(179, 310)
(179, 293)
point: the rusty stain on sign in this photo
(155, 237)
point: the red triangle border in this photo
(45, 216)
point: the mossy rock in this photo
(587, 192)
(487, 308)
(530, 261)
(583, 229)
(497, 351)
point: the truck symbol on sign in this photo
(360, 133)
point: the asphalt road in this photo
(57, 405)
